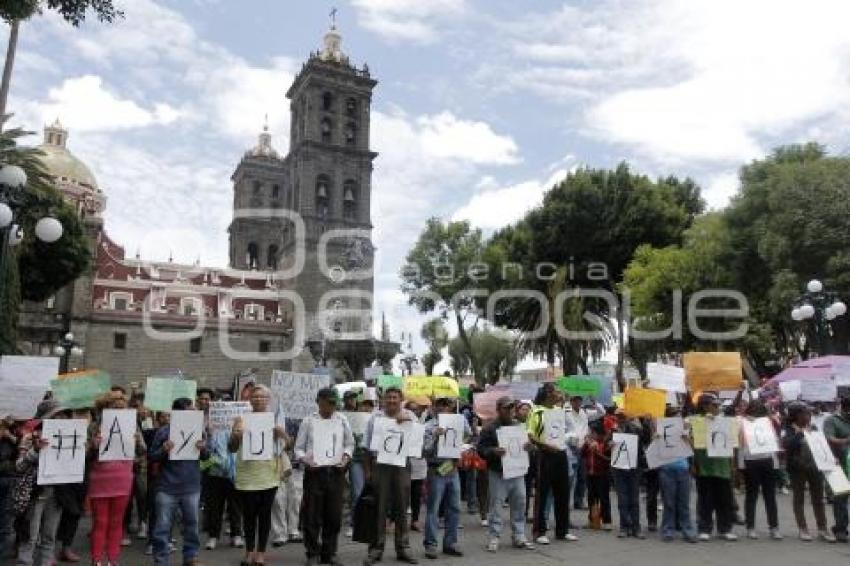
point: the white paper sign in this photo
(450, 442)
(624, 451)
(327, 442)
(821, 452)
(668, 378)
(414, 437)
(294, 394)
(670, 443)
(64, 459)
(389, 442)
(790, 390)
(760, 436)
(814, 390)
(186, 428)
(555, 428)
(258, 436)
(719, 439)
(223, 413)
(515, 461)
(118, 435)
(358, 423)
(837, 481)
(24, 380)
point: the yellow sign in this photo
(418, 387)
(713, 371)
(645, 402)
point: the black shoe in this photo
(406, 558)
(431, 553)
(452, 551)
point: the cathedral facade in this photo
(300, 253)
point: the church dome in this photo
(60, 163)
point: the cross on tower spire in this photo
(333, 17)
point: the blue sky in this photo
(481, 106)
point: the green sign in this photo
(160, 392)
(583, 386)
(80, 391)
(386, 381)
(464, 393)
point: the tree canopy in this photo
(72, 11)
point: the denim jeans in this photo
(166, 509)
(43, 520)
(447, 486)
(356, 479)
(676, 495)
(627, 484)
(579, 483)
(514, 490)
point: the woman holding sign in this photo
(257, 472)
(757, 457)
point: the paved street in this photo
(593, 548)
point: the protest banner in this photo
(24, 381)
(161, 392)
(258, 436)
(387, 381)
(185, 430)
(818, 390)
(445, 388)
(713, 371)
(414, 434)
(223, 413)
(418, 389)
(449, 444)
(584, 387)
(790, 390)
(666, 377)
(388, 440)
(720, 437)
(81, 390)
(624, 451)
(117, 435)
(645, 402)
(513, 440)
(294, 394)
(820, 449)
(555, 428)
(327, 442)
(63, 460)
(760, 436)
(484, 404)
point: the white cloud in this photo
(411, 20)
(86, 104)
(720, 189)
(444, 135)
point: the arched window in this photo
(349, 200)
(253, 256)
(351, 107)
(350, 133)
(326, 127)
(271, 258)
(323, 190)
(327, 101)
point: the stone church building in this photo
(300, 253)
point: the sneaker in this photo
(493, 545)
(148, 550)
(704, 537)
(729, 537)
(805, 536)
(752, 534)
(143, 531)
(569, 537)
(775, 534)
(826, 536)
(484, 522)
(126, 541)
(542, 539)
(211, 543)
(607, 527)
(431, 553)
(522, 544)
(784, 491)
(237, 542)
(639, 535)
(623, 534)
(349, 532)
(296, 537)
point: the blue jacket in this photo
(176, 477)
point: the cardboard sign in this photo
(185, 429)
(666, 377)
(294, 394)
(118, 435)
(624, 451)
(414, 434)
(161, 392)
(387, 381)
(720, 437)
(450, 442)
(760, 436)
(814, 390)
(555, 428)
(582, 386)
(513, 439)
(223, 413)
(820, 449)
(484, 404)
(258, 436)
(64, 459)
(713, 371)
(790, 390)
(24, 381)
(645, 402)
(388, 440)
(81, 390)
(327, 442)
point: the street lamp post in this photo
(821, 307)
(66, 348)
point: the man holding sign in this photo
(444, 436)
(837, 432)
(325, 446)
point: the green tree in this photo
(497, 349)
(436, 337)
